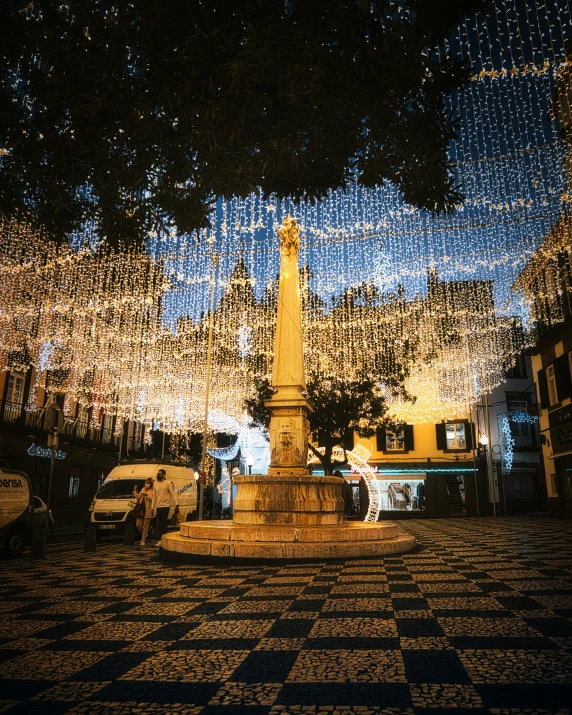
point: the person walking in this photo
(163, 500)
(144, 509)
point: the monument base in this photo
(225, 540)
(288, 496)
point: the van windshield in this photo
(119, 488)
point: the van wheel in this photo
(15, 543)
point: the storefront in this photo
(419, 491)
(560, 422)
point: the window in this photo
(120, 488)
(518, 401)
(455, 434)
(518, 371)
(395, 440)
(551, 380)
(14, 397)
(74, 483)
(81, 424)
(107, 428)
(137, 436)
(522, 431)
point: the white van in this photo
(16, 511)
(111, 507)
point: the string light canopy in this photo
(386, 288)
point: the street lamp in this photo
(249, 462)
(483, 444)
(486, 461)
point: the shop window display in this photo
(402, 495)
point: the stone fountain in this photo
(287, 513)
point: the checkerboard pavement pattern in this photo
(477, 619)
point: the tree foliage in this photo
(140, 113)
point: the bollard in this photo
(90, 538)
(129, 538)
(38, 545)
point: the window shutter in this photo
(470, 434)
(563, 380)
(441, 436)
(408, 433)
(381, 444)
(543, 389)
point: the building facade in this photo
(546, 283)
(444, 469)
(89, 446)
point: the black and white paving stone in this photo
(477, 619)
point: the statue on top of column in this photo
(289, 236)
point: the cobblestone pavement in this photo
(478, 618)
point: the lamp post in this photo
(207, 391)
(249, 462)
(485, 456)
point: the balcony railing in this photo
(81, 429)
(34, 419)
(12, 411)
(525, 437)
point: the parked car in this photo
(16, 512)
(111, 508)
(40, 511)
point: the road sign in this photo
(54, 418)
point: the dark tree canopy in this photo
(137, 113)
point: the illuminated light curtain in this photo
(447, 298)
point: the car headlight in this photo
(92, 505)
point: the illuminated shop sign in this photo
(560, 422)
(453, 470)
(34, 450)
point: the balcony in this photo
(12, 411)
(525, 437)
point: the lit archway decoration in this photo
(358, 459)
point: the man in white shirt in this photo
(163, 500)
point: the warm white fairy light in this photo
(125, 334)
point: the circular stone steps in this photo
(225, 540)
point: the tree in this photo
(137, 115)
(340, 406)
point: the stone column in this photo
(289, 407)
(289, 494)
